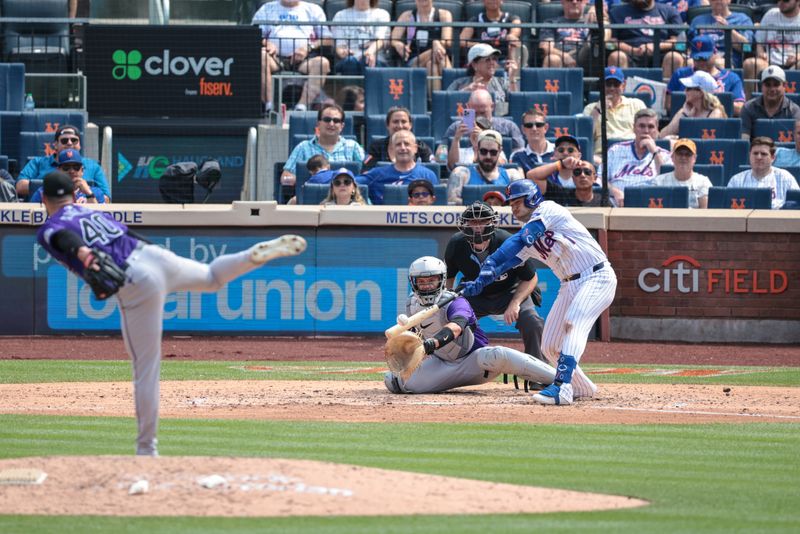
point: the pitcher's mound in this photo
(256, 487)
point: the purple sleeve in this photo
(461, 308)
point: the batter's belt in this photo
(587, 272)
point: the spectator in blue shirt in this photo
(66, 136)
(635, 43)
(328, 142)
(722, 16)
(404, 170)
(682, 6)
(486, 172)
(71, 163)
(704, 55)
(538, 150)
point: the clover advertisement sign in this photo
(173, 71)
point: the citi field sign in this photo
(167, 71)
(684, 274)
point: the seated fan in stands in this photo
(177, 183)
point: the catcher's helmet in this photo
(424, 267)
(477, 222)
(527, 189)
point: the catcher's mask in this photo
(478, 222)
(424, 267)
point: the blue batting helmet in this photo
(524, 188)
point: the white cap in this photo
(773, 71)
(701, 80)
(481, 50)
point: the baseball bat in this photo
(420, 316)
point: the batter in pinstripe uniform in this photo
(588, 283)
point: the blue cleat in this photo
(554, 394)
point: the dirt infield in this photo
(371, 349)
(276, 487)
(259, 487)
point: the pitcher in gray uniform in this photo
(151, 272)
(460, 354)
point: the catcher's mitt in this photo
(107, 279)
(404, 352)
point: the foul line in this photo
(694, 412)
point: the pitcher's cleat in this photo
(554, 394)
(285, 245)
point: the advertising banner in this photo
(140, 160)
(173, 71)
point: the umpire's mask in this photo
(477, 222)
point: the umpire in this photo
(513, 295)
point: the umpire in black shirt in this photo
(514, 294)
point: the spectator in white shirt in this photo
(763, 175)
(359, 46)
(684, 156)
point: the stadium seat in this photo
(376, 125)
(656, 197)
(471, 193)
(739, 198)
(549, 103)
(315, 193)
(455, 7)
(12, 86)
(306, 123)
(387, 87)
(582, 126)
(446, 105)
(779, 130)
(50, 120)
(554, 81)
(33, 144)
(546, 11)
(42, 46)
(679, 97)
(793, 195)
(710, 128)
(10, 122)
(649, 73)
(397, 195)
(795, 171)
(303, 176)
(713, 172)
(730, 153)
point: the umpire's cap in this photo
(57, 184)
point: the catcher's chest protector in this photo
(452, 351)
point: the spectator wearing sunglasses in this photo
(343, 190)
(404, 170)
(66, 136)
(619, 108)
(328, 142)
(538, 150)
(565, 159)
(486, 172)
(71, 163)
(421, 193)
(582, 194)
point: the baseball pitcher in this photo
(456, 352)
(112, 260)
(588, 283)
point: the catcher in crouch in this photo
(456, 351)
(114, 260)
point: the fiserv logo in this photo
(126, 65)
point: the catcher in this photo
(453, 350)
(113, 260)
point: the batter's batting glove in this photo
(429, 345)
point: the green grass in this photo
(698, 478)
(35, 371)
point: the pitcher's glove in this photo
(404, 352)
(103, 275)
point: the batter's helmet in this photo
(524, 188)
(477, 232)
(422, 268)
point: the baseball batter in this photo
(588, 283)
(459, 351)
(94, 246)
